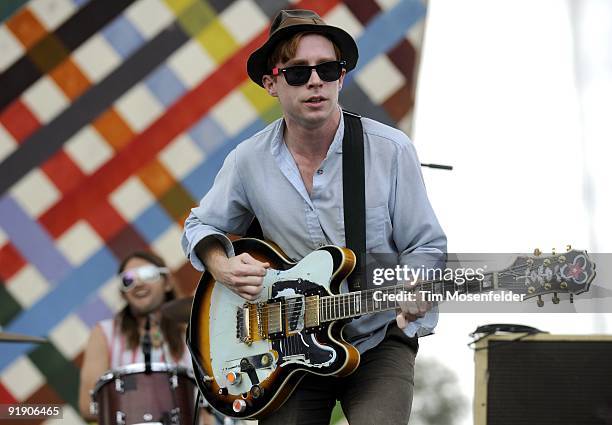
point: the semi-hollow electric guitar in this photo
(249, 356)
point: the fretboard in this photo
(353, 304)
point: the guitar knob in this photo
(239, 405)
(540, 301)
(233, 378)
(555, 298)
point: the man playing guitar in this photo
(289, 176)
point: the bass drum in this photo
(127, 395)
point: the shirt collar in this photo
(279, 131)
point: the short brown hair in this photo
(286, 49)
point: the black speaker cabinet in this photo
(543, 380)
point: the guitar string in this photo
(421, 285)
(343, 301)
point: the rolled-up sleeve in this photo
(420, 240)
(224, 209)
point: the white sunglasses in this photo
(145, 274)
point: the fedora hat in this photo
(290, 22)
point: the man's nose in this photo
(314, 78)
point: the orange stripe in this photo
(145, 146)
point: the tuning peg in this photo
(540, 301)
(561, 259)
(537, 252)
(572, 298)
(555, 298)
(568, 247)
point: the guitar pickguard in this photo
(299, 347)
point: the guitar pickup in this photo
(274, 309)
(311, 312)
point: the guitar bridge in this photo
(243, 322)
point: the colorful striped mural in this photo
(114, 119)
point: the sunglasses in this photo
(300, 74)
(145, 274)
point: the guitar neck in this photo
(357, 303)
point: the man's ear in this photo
(341, 80)
(269, 83)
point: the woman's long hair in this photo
(172, 331)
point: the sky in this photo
(499, 99)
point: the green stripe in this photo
(176, 201)
(62, 375)
(195, 17)
(8, 7)
(9, 307)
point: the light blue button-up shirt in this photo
(260, 177)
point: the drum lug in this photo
(93, 406)
(120, 418)
(119, 385)
(174, 381)
(175, 415)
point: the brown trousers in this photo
(378, 392)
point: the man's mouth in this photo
(315, 99)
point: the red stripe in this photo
(63, 172)
(105, 220)
(5, 396)
(145, 146)
(19, 121)
(11, 261)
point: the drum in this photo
(128, 396)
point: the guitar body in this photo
(249, 356)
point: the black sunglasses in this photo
(300, 74)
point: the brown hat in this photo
(290, 22)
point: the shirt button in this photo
(319, 172)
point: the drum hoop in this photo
(134, 368)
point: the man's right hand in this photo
(243, 274)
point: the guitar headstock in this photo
(570, 272)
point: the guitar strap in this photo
(353, 191)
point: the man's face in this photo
(145, 297)
(312, 104)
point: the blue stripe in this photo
(32, 241)
(152, 222)
(123, 36)
(383, 32)
(200, 180)
(56, 305)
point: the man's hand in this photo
(242, 274)
(410, 311)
